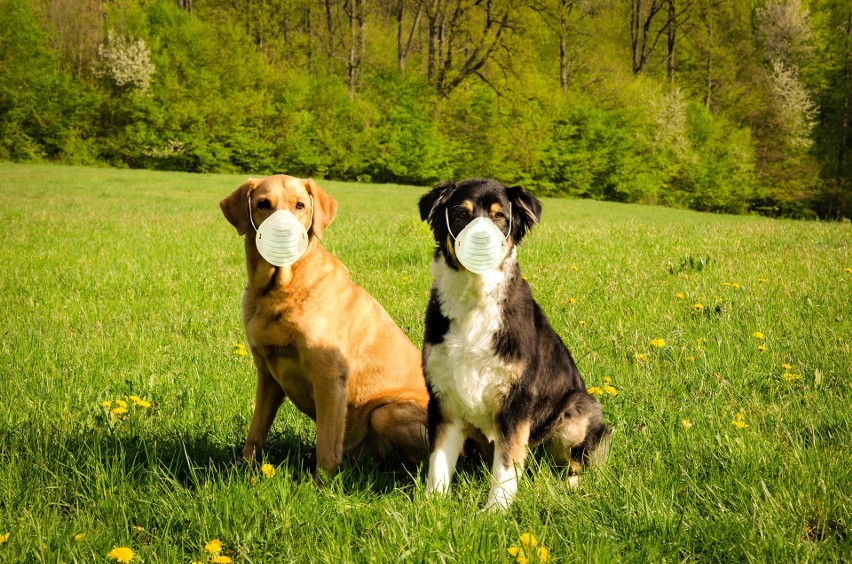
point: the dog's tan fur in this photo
(322, 341)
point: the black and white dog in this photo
(492, 362)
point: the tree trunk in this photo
(844, 124)
(635, 7)
(563, 43)
(403, 45)
(329, 22)
(309, 34)
(670, 43)
(357, 23)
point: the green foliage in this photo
(44, 113)
(597, 154)
(720, 175)
(743, 123)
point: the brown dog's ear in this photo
(235, 207)
(325, 207)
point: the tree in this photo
(403, 43)
(556, 14)
(463, 38)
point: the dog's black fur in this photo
(548, 395)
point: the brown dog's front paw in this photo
(323, 477)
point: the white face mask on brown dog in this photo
(281, 239)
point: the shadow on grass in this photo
(192, 459)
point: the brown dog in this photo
(321, 340)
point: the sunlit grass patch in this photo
(120, 291)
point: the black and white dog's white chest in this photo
(463, 366)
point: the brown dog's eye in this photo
(500, 215)
(263, 205)
(300, 205)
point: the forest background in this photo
(729, 106)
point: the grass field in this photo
(732, 439)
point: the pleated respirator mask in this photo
(281, 239)
(481, 246)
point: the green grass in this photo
(117, 283)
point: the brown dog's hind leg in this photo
(268, 398)
(402, 424)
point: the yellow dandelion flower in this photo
(521, 559)
(135, 399)
(735, 285)
(762, 280)
(106, 404)
(144, 404)
(572, 300)
(659, 343)
(543, 554)
(786, 366)
(213, 547)
(268, 470)
(196, 562)
(762, 348)
(847, 269)
(575, 268)
(687, 424)
(582, 323)
(726, 284)
(610, 390)
(221, 559)
(697, 307)
(680, 296)
(690, 358)
(513, 551)
(121, 403)
(121, 553)
(739, 422)
(79, 536)
(119, 410)
(529, 540)
(758, 335)
(641, 356)
(595, 391)
(4, 538)
(239, 349)
(607, 380)
(789, 376)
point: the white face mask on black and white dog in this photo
(481, 246)
(492, 362)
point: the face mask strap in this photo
(309, 225)
(249, 210)
(447, 217)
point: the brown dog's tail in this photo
(390, 424)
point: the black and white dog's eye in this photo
(500, 215)
(463, 214)
(300, 205)
(263, 205)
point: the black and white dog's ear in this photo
(431, 201)
(526, 211)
